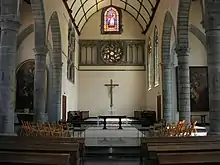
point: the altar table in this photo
(112, 117)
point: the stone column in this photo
(40, 83)
(9, 29)
(212, 25)
(55, 100)
(167, 90)
(183, 84)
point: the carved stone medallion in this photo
(111, 53)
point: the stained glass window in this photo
(149, 61)
(111, 20)
(156, 58)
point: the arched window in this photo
(156, 58)
(149, 62)
(111, 21)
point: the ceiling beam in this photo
(126, 2)
(83, 9)
(152, 6)
(97, 7)
(141, 4)
(70, 15)
(154, 9)
(136, 11)
(142, 8)
(72, 4)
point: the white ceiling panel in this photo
(142, 22)
(118, 3)
(83, 1)
(135, 4)
(132, 11)
(144, 14)
(104, 3)
(153, 2)
(90, 12)
(75, 7)
(89, 4)
(79, 15)
(147, 5)
(70, 2)
(82, 10)
(82, 23)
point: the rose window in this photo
(111, 53)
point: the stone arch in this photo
(24, 34)
(38, 12)
(182, 50)
(167, 67)
(198, 34)
(26, 66)
(54, 113)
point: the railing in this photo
(128, 52)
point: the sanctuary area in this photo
(133, 82)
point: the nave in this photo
(123, 144)
(97, 145)
(155, 63)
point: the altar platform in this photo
(120, 146)
(125, 121)
(112, 136)
(128, 136)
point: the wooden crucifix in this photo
(111, 86)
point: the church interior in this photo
(87, 82)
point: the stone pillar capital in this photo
(41, 50)
(9, 24)
(182, 51)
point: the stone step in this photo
(108, 151)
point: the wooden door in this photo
(64, 99)
(159, 109)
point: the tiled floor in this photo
(112, 136)
(130, 136)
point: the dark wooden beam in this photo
(97, 8)
(126, 2)
(71, 16)
(152, 16)
(141, 4)
(144, 8)
(82, 5)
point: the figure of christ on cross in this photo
(111, 86)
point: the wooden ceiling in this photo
(81, 11)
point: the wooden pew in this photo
(170, 155)
(187, 158)
(161, 150)
(185, 147)
(19, 158)
(45, 141)
(158, 140)
(72, 149)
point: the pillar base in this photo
(8, 134)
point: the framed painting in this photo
(199, 95)
(25, 86)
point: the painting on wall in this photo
(25, 86)
(199, 95)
